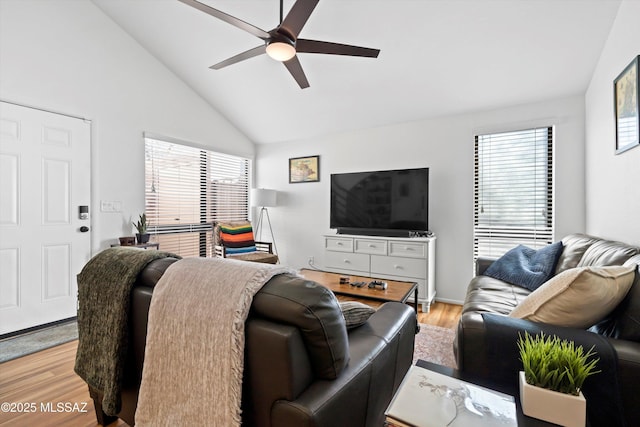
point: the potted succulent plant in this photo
(552, 379)
(141, 226)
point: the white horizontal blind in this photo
(187, 189)
(513, 193)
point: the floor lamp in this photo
(264, 198)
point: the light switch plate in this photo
(110, 206)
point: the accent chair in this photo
(235, 240)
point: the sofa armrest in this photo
(381, 353)
(487, 348)
(264, 247)
(219, 251)
(629, 376)
(482, 263)
(487, 343)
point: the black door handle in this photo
(84, 229)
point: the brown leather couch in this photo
(491, 352)
(302, 366)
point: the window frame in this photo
(492, 239)
(209, 176)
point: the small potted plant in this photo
(552, 379)
(141, 226)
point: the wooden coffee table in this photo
(396, 290)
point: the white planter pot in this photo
(559, 408)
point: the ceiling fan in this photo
(282, 43)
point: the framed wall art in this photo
(304, 169)
(625, 92)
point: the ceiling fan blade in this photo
(297, 17)
(294, 67)
(228, 19)
(240, 57)
(317, 46)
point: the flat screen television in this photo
(381, 203)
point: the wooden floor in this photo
(45, 391)
(441, 314)
(37, 383)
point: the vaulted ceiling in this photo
(438, 58)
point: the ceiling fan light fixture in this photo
(281, 51)
(282, 43)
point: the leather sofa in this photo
(491, 353)
(302, 366)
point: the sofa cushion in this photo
(575, 245)
(314, 309)
(258, 256)
(488, 295)
(526, 267)
(578, 297)
(607, 252)
(355, 313)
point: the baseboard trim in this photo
(449, 301)
(36, 328)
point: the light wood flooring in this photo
(441, 314)
(47, 378)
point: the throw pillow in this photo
(237, 238)
(526, 267)
(623, 323)
(578, 297)
(355, 313)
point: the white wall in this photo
(612, 181)
(444, 145)
(67, 56)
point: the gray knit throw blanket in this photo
(194, 355)
(104, 288)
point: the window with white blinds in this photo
(513, 193)
(187, 189)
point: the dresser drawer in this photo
(408, 249)
(399, 266)
(373, 247)
(340, 244)
(347, 261)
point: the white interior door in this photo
(44, 179)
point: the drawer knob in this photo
(346, 261)
(371, 245)
(339, 244)
(397, 267)
(408, 248)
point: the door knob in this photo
(84, 229)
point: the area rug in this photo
(435, 344)
(31, 342)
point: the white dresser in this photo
(393, 258)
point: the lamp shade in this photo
(281, 51)
(263, 197)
